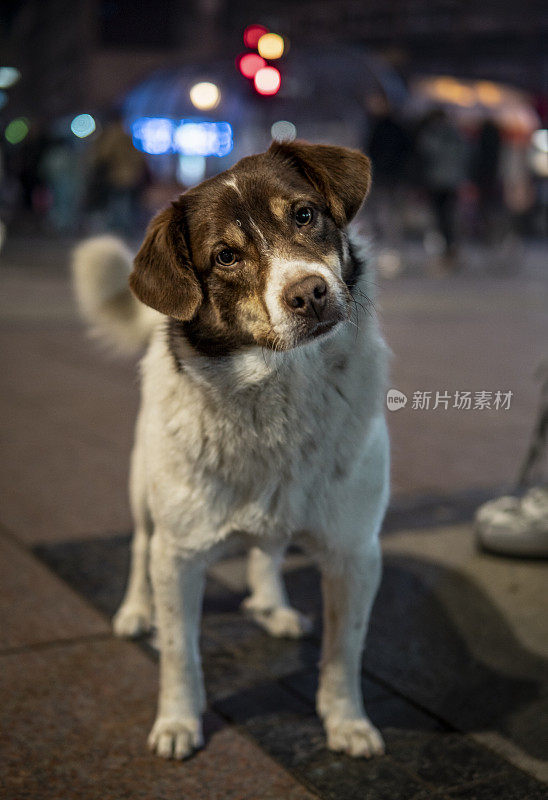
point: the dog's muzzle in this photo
(312, 305)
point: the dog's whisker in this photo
(355, 324)
(365, 310)
(367, 299)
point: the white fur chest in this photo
(257, 441)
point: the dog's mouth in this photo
(321, 328)
(306, 334)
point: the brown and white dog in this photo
(261, 420)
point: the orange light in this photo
(252, 34)
(271, 46)
(488, 93)
(250, 63)
(267, 80)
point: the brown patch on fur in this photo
(279, 207)
(163, 276)
(235, 236)
(341, 175)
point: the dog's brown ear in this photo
(163, 276)
(341, 175)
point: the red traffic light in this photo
(252, 34)
(250, 63)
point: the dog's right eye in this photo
(226, 258)
(303, 216)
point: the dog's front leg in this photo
(178, 585)
(349, 585)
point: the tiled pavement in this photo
(455, 668)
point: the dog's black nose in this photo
(307, 297)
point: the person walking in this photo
(485, 175)
(443, 159)
(388, 147)
(118, 176)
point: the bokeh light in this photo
(267, 80)
(203, 138)
(283, 131)
(271, 46)
(83, 125)
(3, 99)
(191, 169)
(159, 135)
(539, 140)
(17, 130)
(538, 155)
(252, 34)
(205, 96)
(250, 63)
(153, 135)
(488, 93)
(8, 77)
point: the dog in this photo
(261, 420)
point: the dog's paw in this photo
(282, 621)
(131, 621)
(175, 738)
(356, 737)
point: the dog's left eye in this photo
(303, 216)
(227, 257)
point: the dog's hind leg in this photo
(134, 617)
(268, 603)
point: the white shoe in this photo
(514, 527)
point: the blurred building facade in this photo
(79, 58)
(87, 53)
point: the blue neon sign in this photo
(159, 135)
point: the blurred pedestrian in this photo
(10, 193)
(118, 177)
(389, 143)
(485, 173)
(389, 146)
(518, 188)
(3, 228)
(60, 169)
(33, 191)
(443, 163)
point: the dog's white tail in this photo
(100, 269)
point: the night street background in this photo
(101, 124)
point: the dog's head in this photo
(257, 254)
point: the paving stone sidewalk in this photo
(453, 676)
